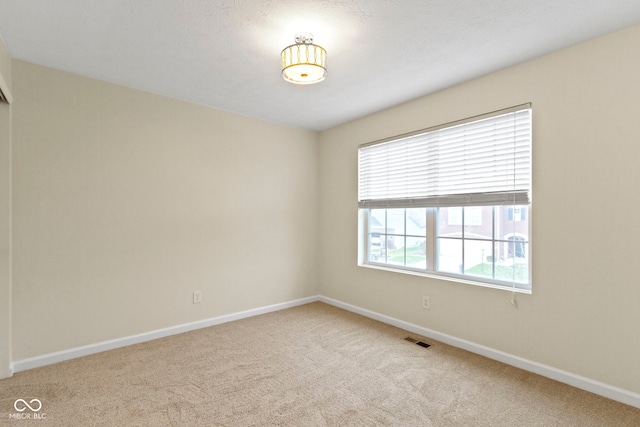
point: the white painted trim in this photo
(596, 387)
(8, 373)
(60, 356)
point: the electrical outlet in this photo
(197, 297)
(426, 303)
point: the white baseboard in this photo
(61, 356)
(8, 373)
(596, 387)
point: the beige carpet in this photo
(312, 365)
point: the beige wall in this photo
(126, 202)
(5, 219)
(583, 316)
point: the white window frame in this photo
(431, 270)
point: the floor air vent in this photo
(415, 341)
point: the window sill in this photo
(444, 276)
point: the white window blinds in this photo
(484, 160)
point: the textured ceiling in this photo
(225, 53)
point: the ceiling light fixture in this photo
(304, 63)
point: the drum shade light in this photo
(304, 63)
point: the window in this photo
(452, 201)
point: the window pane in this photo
(478, 258)
(512, 221)
(450, 222)
(478, 222)
(416, 222)
(377, 239)
(376, 247)
(516, 247)
(513, 268)
(395, 250)
(395, 221)
(473, 215)
(416, 252)
(450, 255)
(453, 215)
(377, 220)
